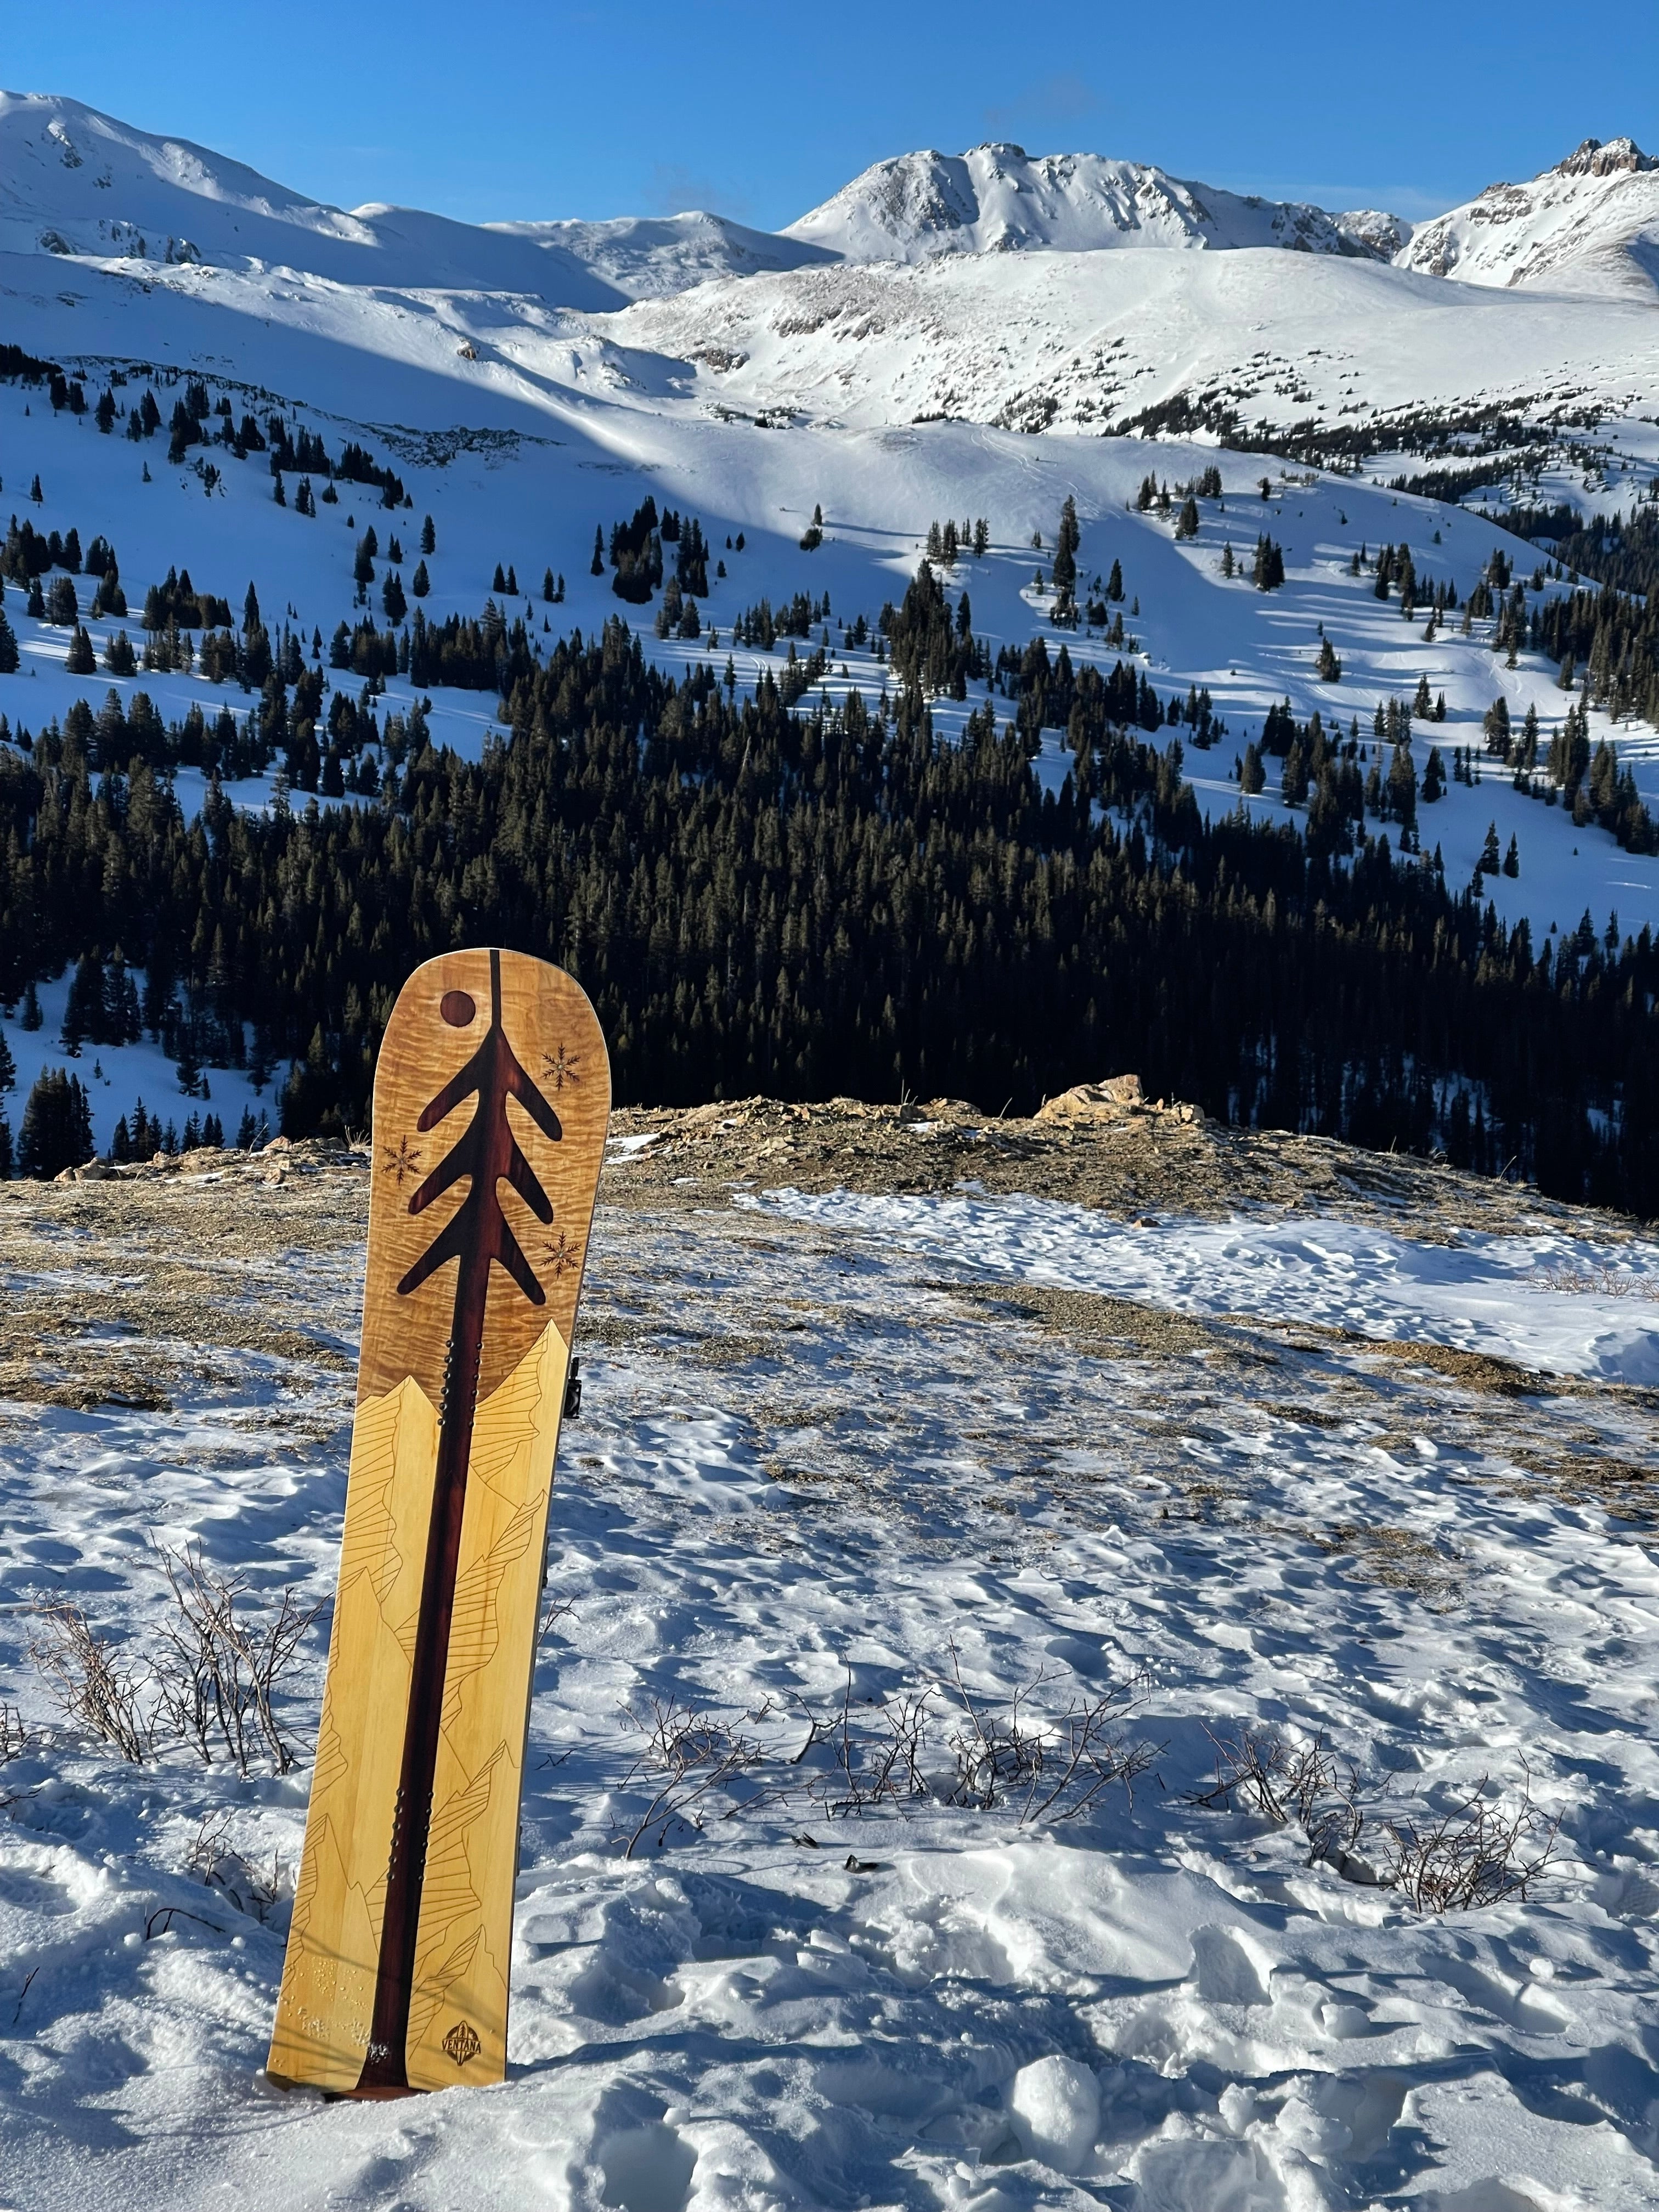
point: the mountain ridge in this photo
(81, 184)
(997, 197)
(1589, 223)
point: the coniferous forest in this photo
(812, 900)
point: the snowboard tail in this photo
(396, 1977)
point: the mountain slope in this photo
(643, 257)
(999, 199)
(81, 185)
(1089, 342)
(1589, 224)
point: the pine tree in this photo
(597, 567)
(1512, 859)
(1330, 668)
(81, 659)
(8, 1067)
(1186, 520)
(429, 537)
(9, 653)
(31, 1017)
(1250, 777)
(1490, 860)
(57, 1129)
(1434, 777)
(420, 583)
(1066, 550)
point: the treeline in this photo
(840, 901)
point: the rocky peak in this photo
(1597, 159)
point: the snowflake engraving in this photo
(560, 1069)
(404, 1161)
(561, 1255)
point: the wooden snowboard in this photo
(491, 1101)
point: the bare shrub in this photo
(1293, 1785)
(1474, 1855)
(14, 1737)
(1600, 1281)
(867, 1755)
(875, 1748)
(1049, 1768)
(252, 1889)
(93, 1685)
(219, 1688)
(687, 1759)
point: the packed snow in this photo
(822, 1447)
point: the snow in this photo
(118, 1077)
(788, 1472)
(1477, 1292)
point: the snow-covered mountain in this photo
(643, 257)
(1000, 199)
(525, 397)
(1590, 224)
(80, 184)
(1096, 342)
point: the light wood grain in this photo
(456, 1993)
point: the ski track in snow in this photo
(803, 1462)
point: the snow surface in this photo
(118, 1077)
(813, 1472)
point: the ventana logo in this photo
(462, 2042)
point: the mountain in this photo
(1000, 199)
(1270, 342)
(80, 184)
(646, 257)
(1590, 224)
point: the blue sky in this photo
(511, 110)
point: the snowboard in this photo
(492, 1096)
